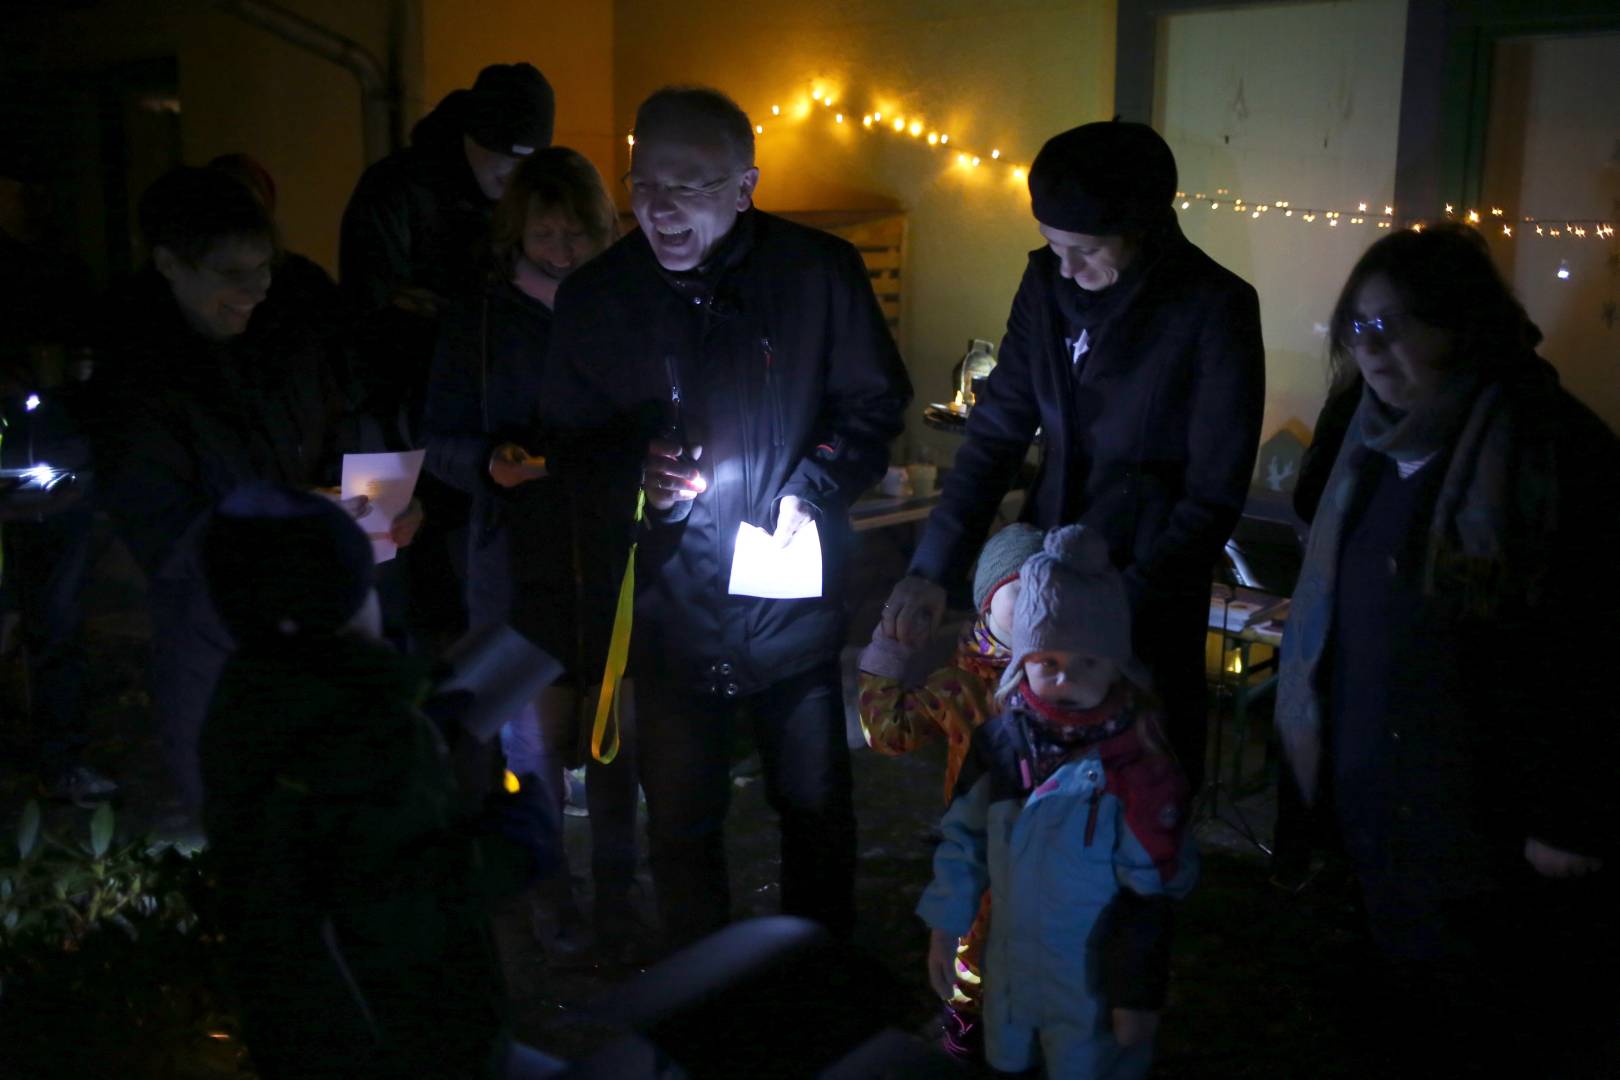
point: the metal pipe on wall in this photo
(378, 108)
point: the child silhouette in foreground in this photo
(1072, 812)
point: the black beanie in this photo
(282, 563)
(509, 110)
(1103, 179)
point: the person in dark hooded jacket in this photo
(789, 389)
(207, 380)
(415, 237)
(1140, 360)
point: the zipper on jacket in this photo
(1091, 819)
(778, 436)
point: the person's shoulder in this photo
(1199, 275)
(800, 244)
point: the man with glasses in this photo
(205, 381)
(738, 368)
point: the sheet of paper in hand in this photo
(760, 568)
(387, 480)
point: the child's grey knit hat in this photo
(1001, 557)
(1073, 600)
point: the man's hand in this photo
(792, 514)
(403, 529)
(1554, 862)
(1132, 1027)
(913, 611)
(942, 963)
(511, 465)
(355, 506)
(666, 478)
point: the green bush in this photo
(106, 967)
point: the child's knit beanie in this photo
(1073, 600)
(283, 564)
(1003, 554)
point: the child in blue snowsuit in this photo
(1073, 813)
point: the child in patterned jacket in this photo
(1070, 810)
(899, 714)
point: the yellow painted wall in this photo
(571, 41)
(1004, 76)
(243, 89)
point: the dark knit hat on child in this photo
(284, 564)
(510, 109)
(1104, 179)
(1000, 559)
(1073, 600)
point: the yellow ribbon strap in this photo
(618, 655)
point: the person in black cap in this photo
(415, 235)
(1140, 360)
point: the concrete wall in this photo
(1297, 103)
(1553, 151)
(570, 40)
(1003, 76)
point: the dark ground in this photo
(1256, 983)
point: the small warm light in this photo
(975, 161)
(1563, 270)
(1334, 222)
(995, 155)
(1449, 208)
(1214, 206)
(759, 129)
(878, 117)
(839, 118)
(815, 95)
(509, 781)
(916, 128)
(1389, 211)
(866, 121)
(1255, 215)
(827, 99)
(1507, 230)
(1417, 226)
(32, 403)
(961, 159)
(899, 123)
(1361, 208)
(943, 139)
(776, 110)
(218, 1035)
(933, 138)
(1540, 231)
(1473, 217)
(1185, 204)
(1018, 172)
(631, 139)
(1288, 213)
(1496, 211)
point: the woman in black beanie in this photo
(1139, 359)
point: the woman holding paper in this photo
(525, 563)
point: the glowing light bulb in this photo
(776, 110)
(1255, 215)
(32, 403)
(1361, 207)
(899, 123)
(933, 138)
(975, 161)
(866, 121)
(1288, 213)
(815, 95)
(1389, 211)
(759, 129)
(631, 139)
(1449, 208)
(916, 128)
(1018, 173)
(1214, 206)
(995, 155)
(1473, 217)
(943, 139)
(1496, 211)
(1507, 230)
(827, 100)
(878, 117)
(961, 159)
(1185, 204)
(839, 118)
(1417, 226)
(1562, 273)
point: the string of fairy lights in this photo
(821, 101)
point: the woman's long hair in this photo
(555, 178)
(1445, 276)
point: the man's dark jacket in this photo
(791, 384)
(1150, 438)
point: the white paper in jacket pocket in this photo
(760, 568)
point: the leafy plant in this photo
(105, 966)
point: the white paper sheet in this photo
(387, 480)
(760, 568)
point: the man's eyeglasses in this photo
(682, 193)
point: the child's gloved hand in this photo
(942, 963)
(1132, 1027)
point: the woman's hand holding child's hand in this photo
(1132, 1027)
(942, 964)
(1554, 862)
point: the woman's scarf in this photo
(1487, 539)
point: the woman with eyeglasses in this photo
(1442, 676)
(526, 565)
